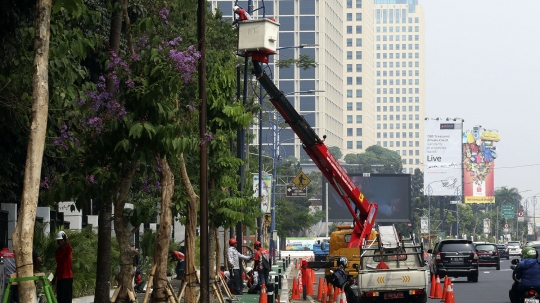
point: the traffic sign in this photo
(301, 180)
(293, 191)
(507, 211)
(506, 225)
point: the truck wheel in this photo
(422, 299)
(499, 266)
(473, 278)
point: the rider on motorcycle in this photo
(527, 273)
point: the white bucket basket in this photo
(257, 36)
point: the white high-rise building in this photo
(400, 97)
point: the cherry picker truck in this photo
(258, 39)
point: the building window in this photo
(359, 68)
(349, 80)
(349, 105)
(359, 29)
(379, 135)
(349, 132)
(349, 16)
(358, 118)
(358, 144)
(358, 16)
(349, 41)
(359, 105)
(349, 144)
(349, 93)
(349, 3)
(358, 41)
(349, 55)
(358, 80)
(349, 68)
(359, 131)
(358, 3)
(349, 29)
(358, 54)
(349, 119)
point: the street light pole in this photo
(534, 214)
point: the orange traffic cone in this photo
(295, 291)
(432, 289)
(450, 294)
(438, 289)
(313, 277)
(330, 293)
(323, 290)
(337, 293)
(343, 298)
(320, 290)
(263, 298)
(309, 285)
(446, 283)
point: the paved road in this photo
(492, 286)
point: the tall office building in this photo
(312, 28)
(359, 98)
(400, 96)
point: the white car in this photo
(514, 248)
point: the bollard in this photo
(277, 288)
(279, 278)
(270, 291)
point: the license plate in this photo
(531, 301)
(456, 259)
(394, 295)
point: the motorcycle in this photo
(530, 295)
(340, 279)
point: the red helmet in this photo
(257, 244)
(232, 241)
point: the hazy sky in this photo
(483, 65)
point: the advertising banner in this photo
(530, 228)
(391, 192)
(442, 166)
(266, 194)
(487, 226)
(424, 225)
(299, 243)
(479, 154)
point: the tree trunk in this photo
(103, 271)
(191, 226)
(164, 234)
(23, 236)
(123, 234)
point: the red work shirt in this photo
(178, 256)
(261, 253)
(64, 260)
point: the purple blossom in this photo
(163, 13)
(90, 180)
(44, 183)
(191, 107)
(185, 62)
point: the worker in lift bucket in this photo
(242, 14)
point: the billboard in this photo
(266, 194)
(479, 154)
(299, 244)
(442, 165)
(391, 192)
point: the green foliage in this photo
(375, 159)
(304, 62)
(336, 151)
(84, 245)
